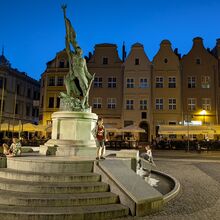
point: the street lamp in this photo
(203, 113)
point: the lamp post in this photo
(203, 113)
(188, 128)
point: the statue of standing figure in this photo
(78, 81)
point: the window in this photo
(165, 60)
(58, 102)
(143, 104)
(206, 104)
(97, 102)
(51, 102)
(28, 109)
(3, 83)
(105, 60)
(35, 95)
(172, 104)
(205, 82)
(112, 82)
(191, 102)
(98, 82)
(18, 90)
(198, 61)
(60, 81)
(143, 115)
(172, 82)
(130, 83)
(2, 107)
(62, 63)
(127, 123)
(159, 104)
(37, 112)
(51, 81)
(29, 93)
(111, 103)
(137, 61)
(143, 83)
(191, 82)
(129, 104)
(33, 112)
(159, 82)
(17, 108)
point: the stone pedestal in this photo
(71, 134)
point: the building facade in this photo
(19, 95)
(52, 83)
(166, 88)
(199, 84)
(136, 109)
(134, 91)
(216, 53)
(106, 94)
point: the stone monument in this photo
(72, 126)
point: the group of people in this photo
(100, 135)
(14, 149)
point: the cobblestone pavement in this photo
(199, 197)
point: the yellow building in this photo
(166, 87)
(52, 83)
(137, 90)
(106, 93)
(199, 84)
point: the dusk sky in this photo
(33, 31)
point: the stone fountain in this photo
(73, 123)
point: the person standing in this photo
(99, 134)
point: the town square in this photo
(109, 110)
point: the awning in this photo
(6, 127)
(133, 128)
(111, 128)
(185, 130)
(29, 127)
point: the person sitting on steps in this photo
(14, 149)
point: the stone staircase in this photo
(55, 188)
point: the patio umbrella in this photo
(133, 128)
(6, 127)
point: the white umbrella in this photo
(133, 128)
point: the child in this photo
(100, 135)
(148, 154)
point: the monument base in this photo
(71, 135)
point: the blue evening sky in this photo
(32, 31)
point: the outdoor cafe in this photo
(123, 137)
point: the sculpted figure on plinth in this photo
(78, 81)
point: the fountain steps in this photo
(55, 188)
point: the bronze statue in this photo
(78, 81)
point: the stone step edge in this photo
(23, 172)
(52, 210)
(49, 184)
(35, 196)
